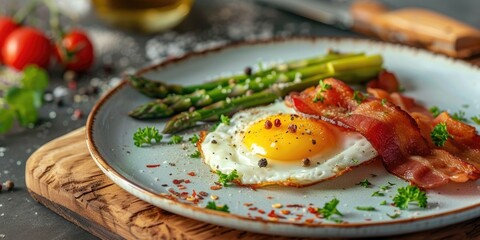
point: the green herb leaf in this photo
(384, 101)
(459, 116)
(378, 194)
(358, 97)
(175, 139)
(213, 206)
(385, 187)
(225, 119)
(323, 88)
(7, 117)
(23, 102)
(383, 203)
(194, 139)
(439, 134)
(146, 136)
(330, 209)
(435, 111)
(366, 208)
(227, 179)
(196, 154)
(34, 78)
(476, 120)
(365, 183)
(393, 216)
(408, 195)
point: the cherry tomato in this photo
(7, 26)
(26, 46)
(76, 51)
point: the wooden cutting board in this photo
(62, 176)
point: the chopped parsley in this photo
(227, 179)
(330, 209)
(358, 97)
(360, 208)
(175, 139)
(391, 184)
(323, 88)
(213, 206)
(393, 216)
(385, 187)
(475, 119)
(146, 136)
(435, 111)
(225, 119)
(439, 134)
(409, 194)
(196, 154)
(459, 116)
(365, 183)
(384, 101)
(378, 194)
(194, 139)
(383, 203)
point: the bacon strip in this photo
(392, 132)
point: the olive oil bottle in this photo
(143, 15)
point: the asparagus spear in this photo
(177, 103)
(158, 89)
(186, 120)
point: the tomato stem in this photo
(22, 14)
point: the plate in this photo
(432, 79)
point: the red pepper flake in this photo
(277, 122)
(182, 188)
(295, 206)
(268, 124)
(177, 181)
(310, 220)
(261, 211)
(313, 210)
(269, 197)
(191, 174)
(153, 165)
(292, 128)
(253, 208)
(187, 181)
(247, 204)
(194, 194)
(285, 211)
(215, 187)
(272, 214)
(204, 194)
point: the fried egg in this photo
(274, 145)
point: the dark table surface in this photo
(211, 23)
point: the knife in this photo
(411, 26)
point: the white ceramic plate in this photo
(432, 79)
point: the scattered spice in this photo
(9, 185)
(306, 162)
(314, 141)
(277, 122)
(203, 194)
(292, 128)
(152, 165)
(262, 162)
(191, 174)
(248, 71)
(215, 187)
(214, 197)
(285, 211)
(277, 205)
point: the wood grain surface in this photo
(62, 176)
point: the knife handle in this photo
(416, 27)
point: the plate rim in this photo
(105, 167)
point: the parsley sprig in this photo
(409, 194)
(213, 206)
(146, 136)
(439, 134)
(323, 88)
(330, 209)
(227, 179)
(21, 99)
(365, 183)
(225, 119)
(175, 139)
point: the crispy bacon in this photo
(392, 131)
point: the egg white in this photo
(224, 150)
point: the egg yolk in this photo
(289, 137)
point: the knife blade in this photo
(411, 26)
